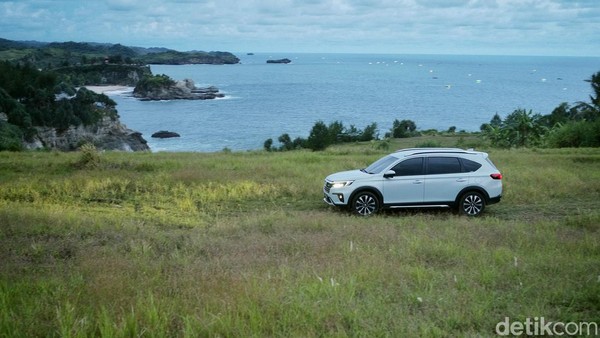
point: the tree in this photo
(319, 137)
(523, 128)
(591, 111)
(404, 128)
(369, 133)
(268, 144)
(286, 142)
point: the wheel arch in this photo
(475, 188)
(373, 190)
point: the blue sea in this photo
(436, 91)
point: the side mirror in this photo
(389, 174)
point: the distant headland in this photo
(60, 113)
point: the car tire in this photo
(365, 203)
(471, 204)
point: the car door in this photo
(406, 185)
(443, 179)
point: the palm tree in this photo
(591, 111)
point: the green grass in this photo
(240, 244)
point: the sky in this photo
(475, 27)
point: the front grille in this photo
(327, 186)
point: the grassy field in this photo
(241, 245)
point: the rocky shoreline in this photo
(178, 90)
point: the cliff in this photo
(107, 134)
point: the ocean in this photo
(435, 91)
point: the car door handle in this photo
(417, 181)
(461, 180)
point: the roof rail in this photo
(431, 149)
(420, 151)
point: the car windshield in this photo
(379, 165)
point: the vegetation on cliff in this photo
(103, 74)
(30, 98)
(172, 57)
(80, 63)
(65, 54)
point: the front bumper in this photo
(328, 200)
(334, 196)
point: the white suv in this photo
(419, 177)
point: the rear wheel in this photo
(365, 204)
(471, 204)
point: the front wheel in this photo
(365, 204)
(471, 204)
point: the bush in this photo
(403, 129)
(575, 134)
(10, 137)
(90, 158)
(319, 137)
(268, 145)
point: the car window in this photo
(413, 166)
(443, 165)
(470, 166)
(379, 165)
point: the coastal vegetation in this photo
(30, 98)
(54, 55)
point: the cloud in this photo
(124, 5)
(442, 26)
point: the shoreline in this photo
(108, 88)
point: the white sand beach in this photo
(104, 89)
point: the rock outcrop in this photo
(279, 61)
(176, 90)
(107, 134)
(165, 134)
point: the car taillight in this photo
(497, 176)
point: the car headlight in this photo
(341, 184)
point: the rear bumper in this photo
(494, 200)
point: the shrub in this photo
(575, 134)
(268, 144)
(319, 137)
(10, 137)
(403, 129)
(90, 157)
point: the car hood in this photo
(350, 175)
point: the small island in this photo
(162, 87)
(285, 61)
(165, 134)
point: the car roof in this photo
(420, 151)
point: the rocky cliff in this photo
(174, 90)
(107, 134)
